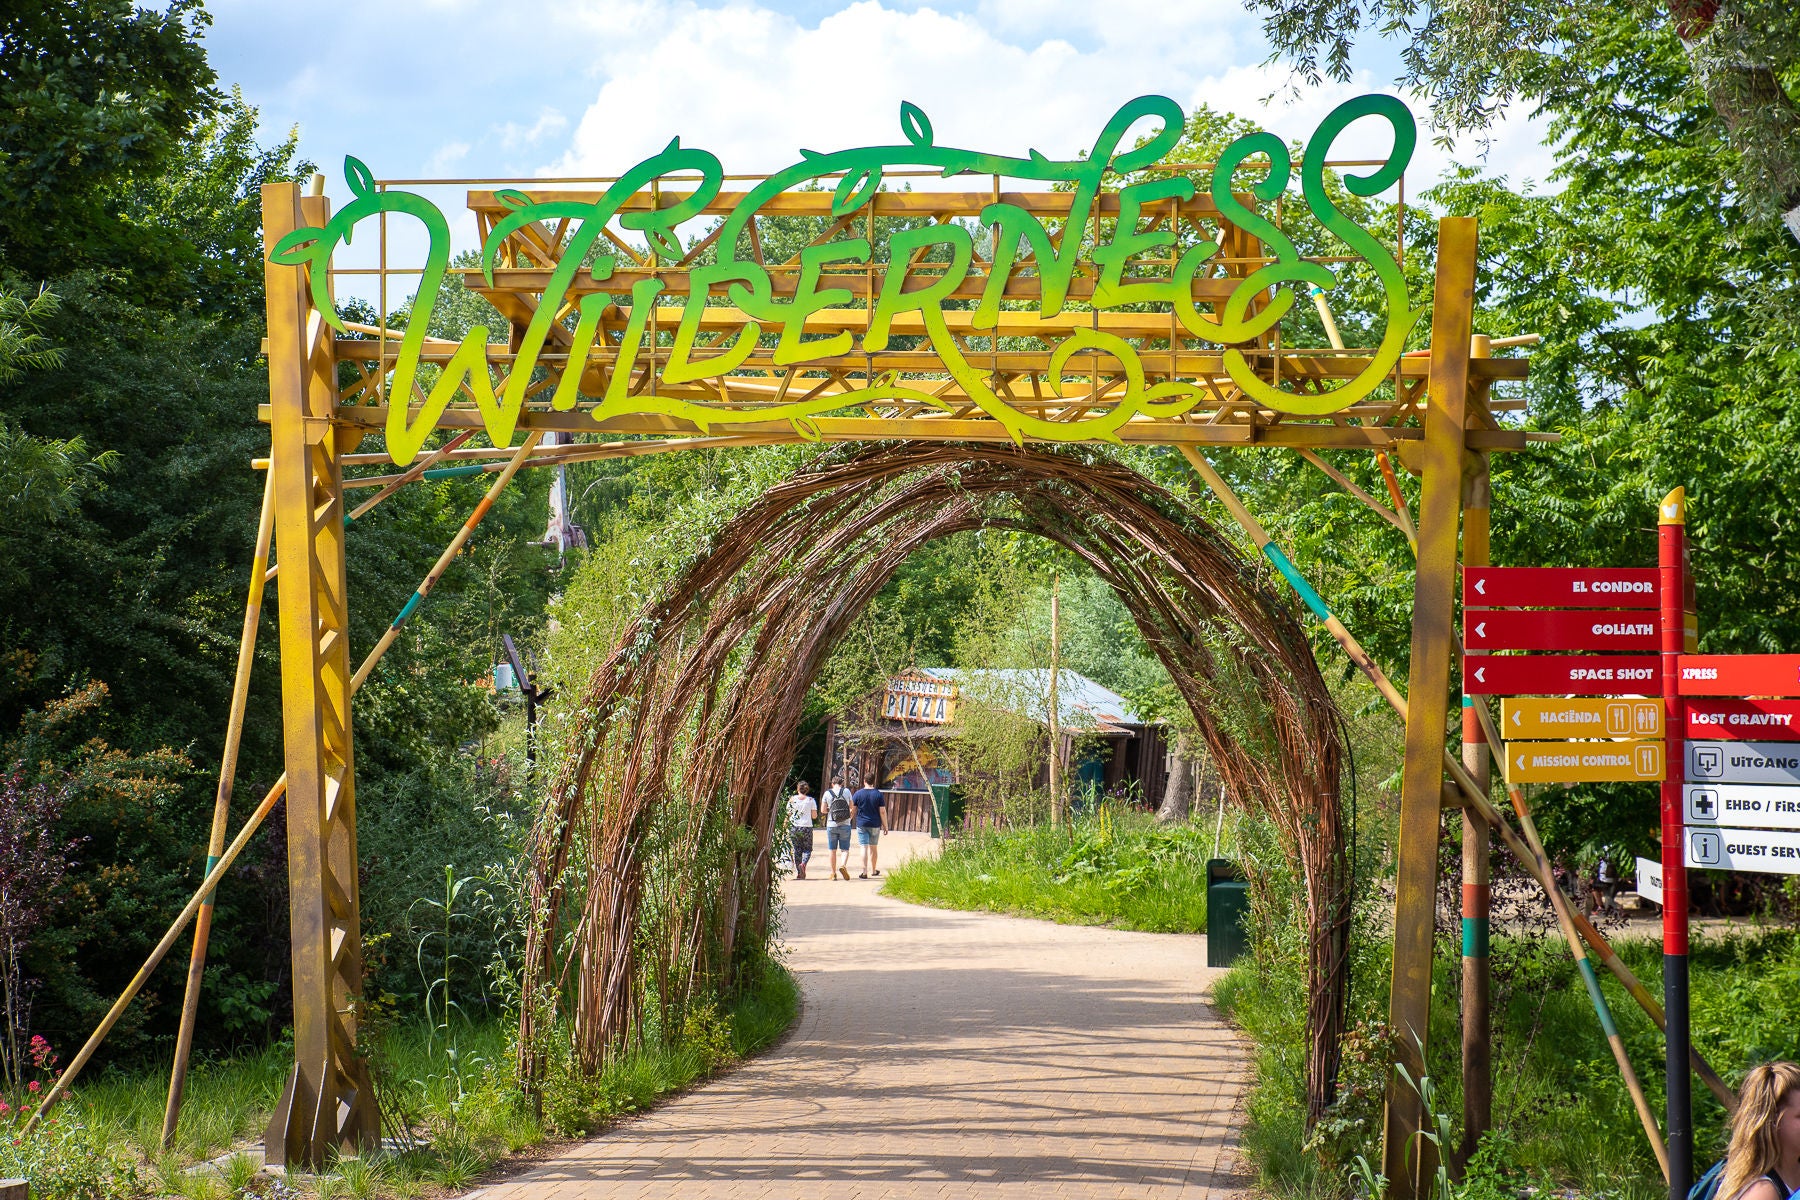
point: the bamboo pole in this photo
(396, 482)
(218, 869)
(1559, 903)
(1473, 795)
(215, 844)
(583, 452)
(392, 633)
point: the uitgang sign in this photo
(747, 285)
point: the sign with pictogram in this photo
(1561, 587)
(1527, 718)
(1526, 629)
(1739, 675)
(1741, 805)
(1583, 762)
(1744, 720)
(1773, 851)
(1742, 762)
(1562, 674)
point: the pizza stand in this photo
(1123, 297)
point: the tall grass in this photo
(1110, 867)
(453, 1103)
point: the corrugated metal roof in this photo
(1081, 703)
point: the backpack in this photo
(840, 806)
(1707, 1186)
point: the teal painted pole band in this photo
(412, 602)
(453, 472)
(1475, 937)
(1296, 581)
(349, 520)
(212, 860)
(1599, 1000)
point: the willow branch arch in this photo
(779, 586)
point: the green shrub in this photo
(1110, 867)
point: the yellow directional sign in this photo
(1584, 762)
(1583, 717)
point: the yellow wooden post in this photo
(1408, 1159)
(327, 1105)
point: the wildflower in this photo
(33, 1086)
(5, 1108)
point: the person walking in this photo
(1763, 1160)
(802, 809)
(1608, 879)
(868, 803)
(838, 815)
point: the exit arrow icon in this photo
(1480, 674)
(1481, 585)
(1481, 630)
(1521, 763)
(1516, 718)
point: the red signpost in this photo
(1739, 675)
(1523, 629)
(1735, 720)
(1563, 675)
(1560, 587)
(1671, 557)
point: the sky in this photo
(568, 88)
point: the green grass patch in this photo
(1112, 867)
(1562, 1117)
(455, 1099)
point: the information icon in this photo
(1705, 849)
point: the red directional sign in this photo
(1739, 675)
(1521, 629)
(1561, 587)
(1744, 720)
(1563, 675)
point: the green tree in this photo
(1471, 61)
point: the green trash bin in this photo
(946, 808)
(1227, 913)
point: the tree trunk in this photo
(1730, 56)
(1178, 793)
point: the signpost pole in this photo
(1407, 1158)
(1477, 1055)
(1671, 560)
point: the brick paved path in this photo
(944, 1054)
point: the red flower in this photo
(33, 1086)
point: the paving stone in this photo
(946, 1055)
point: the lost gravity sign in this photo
(910, 279)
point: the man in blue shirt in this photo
(868, 803)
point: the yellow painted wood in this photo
(1407, 1160)
(327, 1105)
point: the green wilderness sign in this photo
(925, 266)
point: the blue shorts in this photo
(868, 835)
(837, 837)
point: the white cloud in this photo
(514, 136)
(447, 156)
(754, 85)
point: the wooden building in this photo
(900, 738)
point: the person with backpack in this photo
(836, 803)
(1762, 1161)
(868, 803)
(801, 810)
